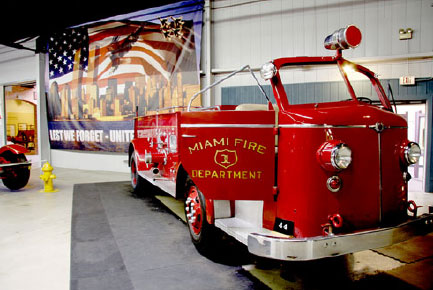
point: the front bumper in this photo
(335, 245)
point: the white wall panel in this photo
(278, 28)
(309, 23)
(221, 35)
(246, 51)
(372, 23)
(288, 30)
(298, 27)
(254, 32)
(333, 14)
(398, 8)
(321, 28)
(413, 17)
(385, 34)
(89, 161)
(354, 14)
(426, 30)
(18, 70)
(265, 33)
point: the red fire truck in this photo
(14, 167)
(290, 181)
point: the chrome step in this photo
(166, 184)
(240, 229)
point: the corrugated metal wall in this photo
(254, 32)
(302, 93)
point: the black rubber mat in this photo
(123, 242)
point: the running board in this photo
(163, 183)
(241, 229)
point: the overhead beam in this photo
(17, 46)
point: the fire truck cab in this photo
(290, 181)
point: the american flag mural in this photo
(63, 50)
(101, 73)
(127, 50)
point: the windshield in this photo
(305, 84)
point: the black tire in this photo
(18, 176)
(202, 233)
(138, 183)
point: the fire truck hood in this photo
(340, 114)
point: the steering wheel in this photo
(365, 100)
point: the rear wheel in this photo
(138, 183)
(201, 231)
(15, 177)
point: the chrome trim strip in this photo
(226, 126)
(321, 126)
(292, 249)
(188, 136)
(379, 138)
(335, 126)
(282, 126)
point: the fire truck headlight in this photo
(268, 71)
(334, 155)
(412, 153)
(341, 156)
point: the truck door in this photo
(230, 155)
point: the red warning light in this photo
(344, 38)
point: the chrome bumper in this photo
(15, 164)
(335, 245)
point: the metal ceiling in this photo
(37, 18)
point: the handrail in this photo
(170, 108)
(223, 79)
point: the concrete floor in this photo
(35, 230)
(35, 240)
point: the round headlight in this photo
(268, 71)
(341, 156)
(412, 153)
(334, 155)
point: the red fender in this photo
(210, 215)
(140, 147)
(14, 148)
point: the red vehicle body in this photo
(14, 167)
(292, 182)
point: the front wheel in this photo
(16, 177)
(202, 233)
(138, 183)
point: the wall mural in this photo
(101, 74)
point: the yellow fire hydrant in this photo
(47, 177)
